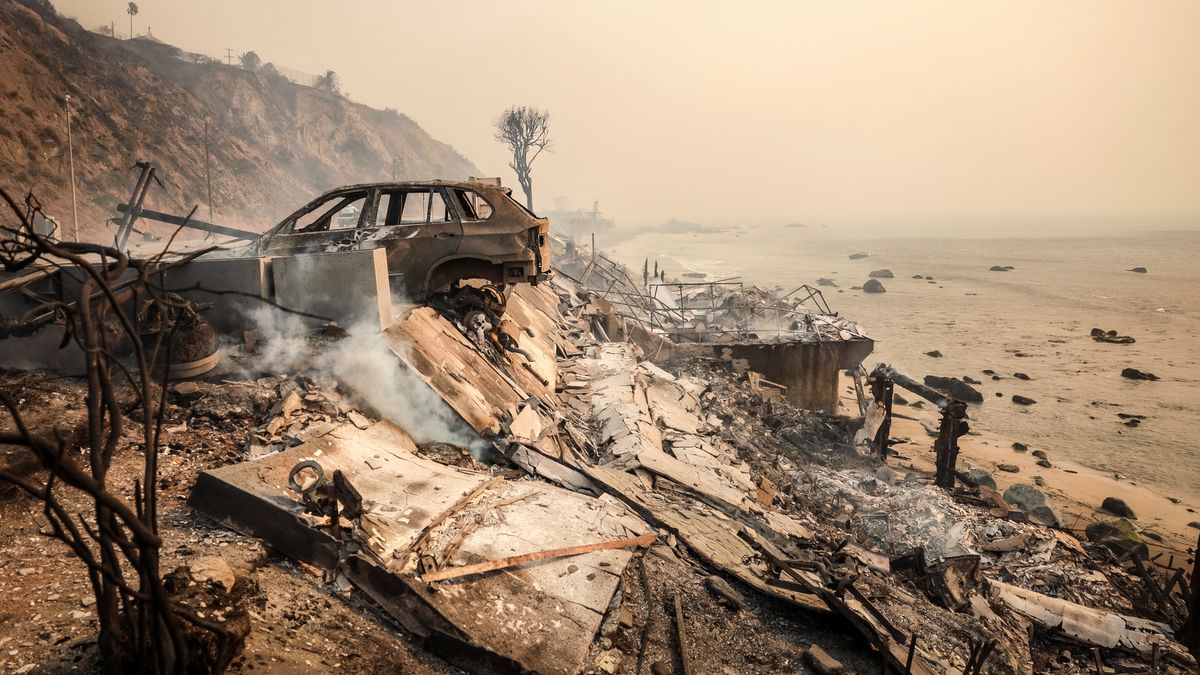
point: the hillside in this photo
(273, 144)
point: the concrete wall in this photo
(809, 370)
(345, 286)
(229, 285)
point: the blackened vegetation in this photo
(145, 626)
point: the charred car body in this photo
(435, 233)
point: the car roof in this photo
(470, 185)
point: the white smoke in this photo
(365, 368)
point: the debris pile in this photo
(718, 311)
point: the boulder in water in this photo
(1111, 337)
(1022, 400)
(882, 274)
(977, 477)
(1139, 270)
(970, 380)
(1021, 376)
(1135, 374)
(955, 387)
(873, 286)
(917, 276)
(1019, 446)
(857, 256)
(997, 268)
(1033, 502)
(1119, 536)
(1117, 507)
(825, 282)
(934, 354)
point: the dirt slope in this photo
(273, 144)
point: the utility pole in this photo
(228, 56)
(71, 156)
(207, 173)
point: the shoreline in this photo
(1075, 490)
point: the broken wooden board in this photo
(712, 535)
(542, 616)
(445, 360)
(535, 310)
(1089, 626)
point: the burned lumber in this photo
(886, 372)
(513, 561)
(1089, 626)
(952, 426)
(1189, 633)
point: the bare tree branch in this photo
(524, 129)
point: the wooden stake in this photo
(513, 561)
(684, 656)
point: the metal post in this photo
(71, 155)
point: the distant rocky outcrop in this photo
(858, 256)
(826, 282)
(873, 286)
(882, 274)
(998, 268)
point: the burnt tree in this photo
(143, 628)
(526, 132)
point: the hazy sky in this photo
(991, 114)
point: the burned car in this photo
(435, 233)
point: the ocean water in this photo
(1035, 320)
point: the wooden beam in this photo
(513, 561)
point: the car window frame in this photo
(459, 206)
(451, 212)
(288, 226)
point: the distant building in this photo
(577, 223)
